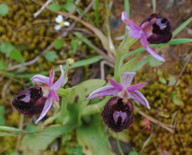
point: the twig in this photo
(163, 125)
(42, 8)
(80, 17)
(33, 60)
(103, 69)
(181, 73)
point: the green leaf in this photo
(162, 80)
(14, 153)
(74, 45)
(75, 150)
(2, 120)
(58, 44)
(33, 144)
(152, 63)
(3, 65)
(6, 48)
(4, 9)
(63, 92)
(16, 55)
(51, 56)
(11, 129)
(133, 153)
(172, 80)
(4, 134)
(176, 100)
(68, 6)
(88, 61)
(55, 7)
(92, 138)
(31, 128)
(92, 84)
(2, 111)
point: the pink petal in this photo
(41, 79)
(104, 91)
(136, 87)
(46, 108)
(149, 49)
(115, 84)
(137, 96)
(60, 81)
(134, 29)
(126, 20)
(127, 78)
(51, 76)
(54, 95)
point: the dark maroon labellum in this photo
(30, 101)
(117, 115)
(157, 29)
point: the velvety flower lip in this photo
(49, 89)
(30, 101)
(117, 115)
(123, 90)
(153, 29)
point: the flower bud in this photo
(70, 61)
(157, 29)
(30, 101)
(118, 115)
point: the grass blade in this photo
(154, 5)
(77, 64)
(172, 42)
(97, 12)
(11, 129)
(181, 27)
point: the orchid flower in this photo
(38, 99)
(153, 29)
(123, 90)
(117, 113)
(59, 19)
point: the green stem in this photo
(123, 48)
(118, 145)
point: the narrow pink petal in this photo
(137, 96)
(46, 108)
(51, 76)
(136, 87)
(115, 84)
(149, 49)
(54, 95)
(127, 78)
(60, 81)
(126, 20)
(40, 78)
(104, 91)
(134, 29)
